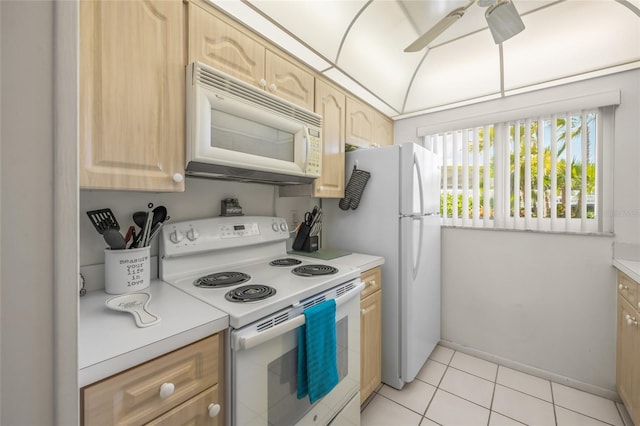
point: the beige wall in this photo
(26, 292)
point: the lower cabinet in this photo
(628, 347)
(370, 333)
(182, 387)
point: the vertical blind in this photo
(537, 173)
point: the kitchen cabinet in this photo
(370, 332)
(628, 346)
(330, 103)
(218, 41)
(182, 387)
(132, 95)
(366, 127)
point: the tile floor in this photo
(456, 389)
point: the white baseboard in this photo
(543, 374)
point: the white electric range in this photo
(240, 265)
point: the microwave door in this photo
(234, 134)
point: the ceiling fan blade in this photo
(436, 30)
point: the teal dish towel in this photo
(317, 360)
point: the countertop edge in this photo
(372, 264)
(118, 364)
(630, 267)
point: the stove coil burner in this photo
(314, 270)
(287, 261)
(221, 279)
(250, 293)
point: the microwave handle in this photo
(307, 147)
(247, 342)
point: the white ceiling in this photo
(360, 45)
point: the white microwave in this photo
(237, 131)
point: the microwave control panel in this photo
(314, 156)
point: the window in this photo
(540, 173)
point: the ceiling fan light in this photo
(504, 21)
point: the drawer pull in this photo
(214, 410)
(371, 283)
(631, 320)
(622, 287)
(166, 390)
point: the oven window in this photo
(284, 406)
(238, 134)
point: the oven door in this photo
(264, 371)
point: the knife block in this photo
(304, 241)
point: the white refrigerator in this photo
(397, 218)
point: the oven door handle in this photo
(247, 342)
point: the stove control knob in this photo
(176, 236)
(283, 226)
(274, 226)
(192, 234)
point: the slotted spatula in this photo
(103, 219)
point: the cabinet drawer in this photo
(627, 288)
(133, 397)
(195, 411)
(372, 280)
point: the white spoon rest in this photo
(136, 305)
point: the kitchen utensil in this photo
(140, 219)
(137, 305)
(114, 238)
(147, 230)
(159, 216)
(130, 234)
(154, 231)
(103, 219)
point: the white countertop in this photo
(629, 267)
(362, 261)
(110, 342)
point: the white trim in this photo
(498, 113)
(538, 372)
(65, 209)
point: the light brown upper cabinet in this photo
(132, 95)
(218, 41)
(330, 104)
(366, 127)
(382, 130)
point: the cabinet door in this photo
(132, 95)
(330, 103)
(218, 43)
(383, 130)
(627, 372)
(288, 81)
(201, 410)
(370, 344)
(359, 123)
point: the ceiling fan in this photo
(502, 17)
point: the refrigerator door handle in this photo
(418, 256)
(416, 166)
